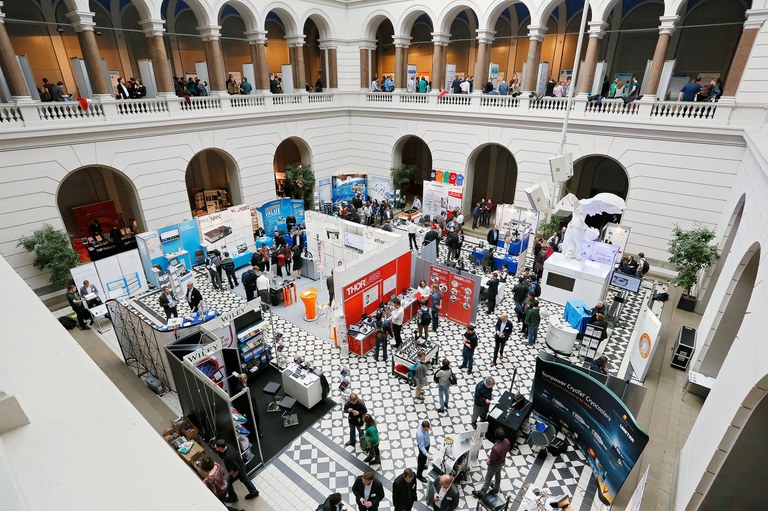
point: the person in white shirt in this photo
(413, 229)
(416, 202)
(375, 85)
(423, 289)
(465, 86)
(262, 287)
(397, 321)
(411, 86)
(460, 219)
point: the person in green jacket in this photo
(612, 88)
(532, 319)
(373, 433)
(245, 86)
(76, 302)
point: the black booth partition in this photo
(207, 398)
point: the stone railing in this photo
(17, 117)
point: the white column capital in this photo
(367, 44)
(597, 29)
(209, 32)
(256, 36)
(401, 41)
(295, 40)
(755, 18)
(440, 38)
(667, 24)
(536, 32)
(485, 35)
(82, 20)
(152, 28)
(328, 44)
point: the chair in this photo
(290, 417)
(493, 502)
(272, 388)
(199, 256)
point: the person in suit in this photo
(193, 297)
(240, 384)
(501, 334)
(168, 303)
(237, 470)
(493, 237)
(332, 503)
(368, 492)
(404, 491)
(87, 289)
(493, 291)
(444, 496)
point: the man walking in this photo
(404, 491)
(532, 320)
(502, 332)
(249, 284)
(519, 292)
(420, 376)
(422, 445)
(482, 400)
(368, 492)
(437, 302)
(493, 292)
(468, 352)
(228, 264)
(495, 462)
(397, 321)
(355, 410)
(444, 496)
(237, 471)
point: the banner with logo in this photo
(604, 428)
(366, 294)
(380, 188)
(643, 343)
(346, 186)
(439, 197)
(274, 213)
(231, 228)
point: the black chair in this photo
(493, 502)
(272, 388)
(290, 417)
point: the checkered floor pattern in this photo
(319, 454)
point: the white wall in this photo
(729, 402)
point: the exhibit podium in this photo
(561, 336)
(567, 279)
(309, 297)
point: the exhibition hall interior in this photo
(383, 255)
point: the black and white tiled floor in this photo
(317, 464)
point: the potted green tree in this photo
(403, 175)
(691, 251)
(53, 251)
(300, 183)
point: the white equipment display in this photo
(537, 196)
(561, 336)
(566, 206)
(561, 167)
(573, 279)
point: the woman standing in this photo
(372, 432)
(297, 261)
(288, 259)
(216, 477)
(445, 378)
(423, 290)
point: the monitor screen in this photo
(624, 281)
(247, 320)
(561, 281)
(354, 241)
(169, 235)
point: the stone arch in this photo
(321, 21)
(212, 169)
(198, 7)
(287, 16)
(407, 20)
(498, 182)
(730, 315)
(244, 9)
(373, 21)
(489, 19)
(449, 13)
(291, 150)
(590, 168)
(414, 150)
(91, 184)
(144, 8)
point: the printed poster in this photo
(346, 186)
(460, 300)
(441, 277)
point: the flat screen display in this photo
(624, 281)
(247, 320)
(561, 281)
(354, 241)
(169, 235)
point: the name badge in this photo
(373, 494)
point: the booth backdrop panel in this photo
(461, 299)
(104, 211)
(274, 213)
(111, 277)
(438, 197)
(404, 268)
(324, 191)
(606, 432)
(131, 267)
(380, 188)
(88, 272)
(346, 186)
(227, 229)
(190, 237)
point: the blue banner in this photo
(346, 186)
(274, 213)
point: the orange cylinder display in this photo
(309, 297)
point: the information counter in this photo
(577, 314)
(406, 355)
(302, 385)
(361, 336)
(499, 260)
(509, 415)
(561, 337)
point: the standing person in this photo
(527, 305)
(495, 462)
(404, 491)
(262, 287)
(445, 378)
(76, 302)
(424, 319)
(420, 375)
(215, 477)
(691, 91)
(413, 229)
(194, 298)
(502, 332)
(493, 238)
(493, 292)
(532, 319)
(298, 262)
(468, 352)
(482, 400)
(245, 87)
(237, 471)
(213, 274)
(444, 496)
(437, 302)
(372, 432)
(228, 265)
(249, 279)
(487, 213)
(475, 215)
(355, 410)
(422, 445)
(416, 203)
(121, 89)
(168, 303)
(368, 492)
(397, 321)
(332, 503)
(381, 341)
(329, 286)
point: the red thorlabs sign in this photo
(362, 284)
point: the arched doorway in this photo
(213, 182)
(492, 170)
(97, 184)
(709, 283)
(741, 467)
(597, 174)
(411, 150)
(291, 151)
(730, 314)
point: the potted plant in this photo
(53, 251)
(691, 251)
(553, 224)
(300, 183)
(403, 175)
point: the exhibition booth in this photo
(101, 231)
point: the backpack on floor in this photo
(67, 322)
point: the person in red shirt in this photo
(495, 462)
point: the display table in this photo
(499, 260)
(411, 214)
(179, 257)
(577, 314)
(302, 385)
(508, 417)
(242, 258)
(265, 241)
(570, 279)
(362, 341)
(561, 336)
(515, 247)
(502, 288)
(309, 298)
(405, 356)
(188, 320)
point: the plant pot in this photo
(687, 303)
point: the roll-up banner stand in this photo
(147, 75)
(450, 75)
(201, 69)
(324, 189)
(439, 197)
(287, 79)
(604, 428)
(274, 213)
(643, 343)
(618, 235)
(346, 186)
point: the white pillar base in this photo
(104, 98)
(726, 100)
(22, 99)
(166, 95)
(648, 98)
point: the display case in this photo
(405, 356)
(254, 346)
(684, 348)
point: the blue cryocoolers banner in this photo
(604, 429)
(274, 213)
(346, 186)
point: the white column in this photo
(596, 32)
(535, 36)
